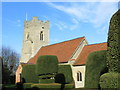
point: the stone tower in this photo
(36, 35)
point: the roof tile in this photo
(63, 50)
(82, 58)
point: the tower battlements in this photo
(36, 22)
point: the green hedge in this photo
(27, 85)
(46, 80)
(71, 85)
(46, 76)
(113, 53)
(29, 75)
(19, 86)
(8, 86)
(46, 64)
(95, 66)
(64, 74)
(110, 80)
(53, 85)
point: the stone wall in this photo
(75, 70)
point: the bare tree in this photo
(10, 61)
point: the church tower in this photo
(36, 35)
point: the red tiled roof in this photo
(63, 50)
(82, 58)
(24, 64)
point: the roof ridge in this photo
(64, 41)
(95, 43)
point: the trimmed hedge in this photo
(29, 75)
(27, 85)
(46, 76)
(46, 80)
(113, 53)
(64, 74)
(71, 85)
(52, 85)
(95, 67)
(46, 64)
(110, 80)
(8, 86)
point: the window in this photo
(27, 36)
(41, 35)
(79, 76)
(42, 27)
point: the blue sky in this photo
(68, 20)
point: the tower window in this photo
(42, 27)
(27, 36)
(79, 76)
(41, 35)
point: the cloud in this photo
(18, 21)
(75, 24)
(96, 13)
(73, 27)
(61, 25)
(14, 23)
(75, 21)
(103, 13)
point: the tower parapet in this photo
(34, 22)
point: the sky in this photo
(68, 20)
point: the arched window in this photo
(41, 35)
(27, 35)
(79, 76)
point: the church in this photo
(73, 52)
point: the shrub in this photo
(46, 80)
(52, 85)
(27, 85)
(64, 74)
(71, 85)
(29, 75)
(46, 64)
(46, 68)
(110, 80)
(19, 86)
(47, 76)
(60, 78)
(95, 66)
(113, 53)
(9, 86)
